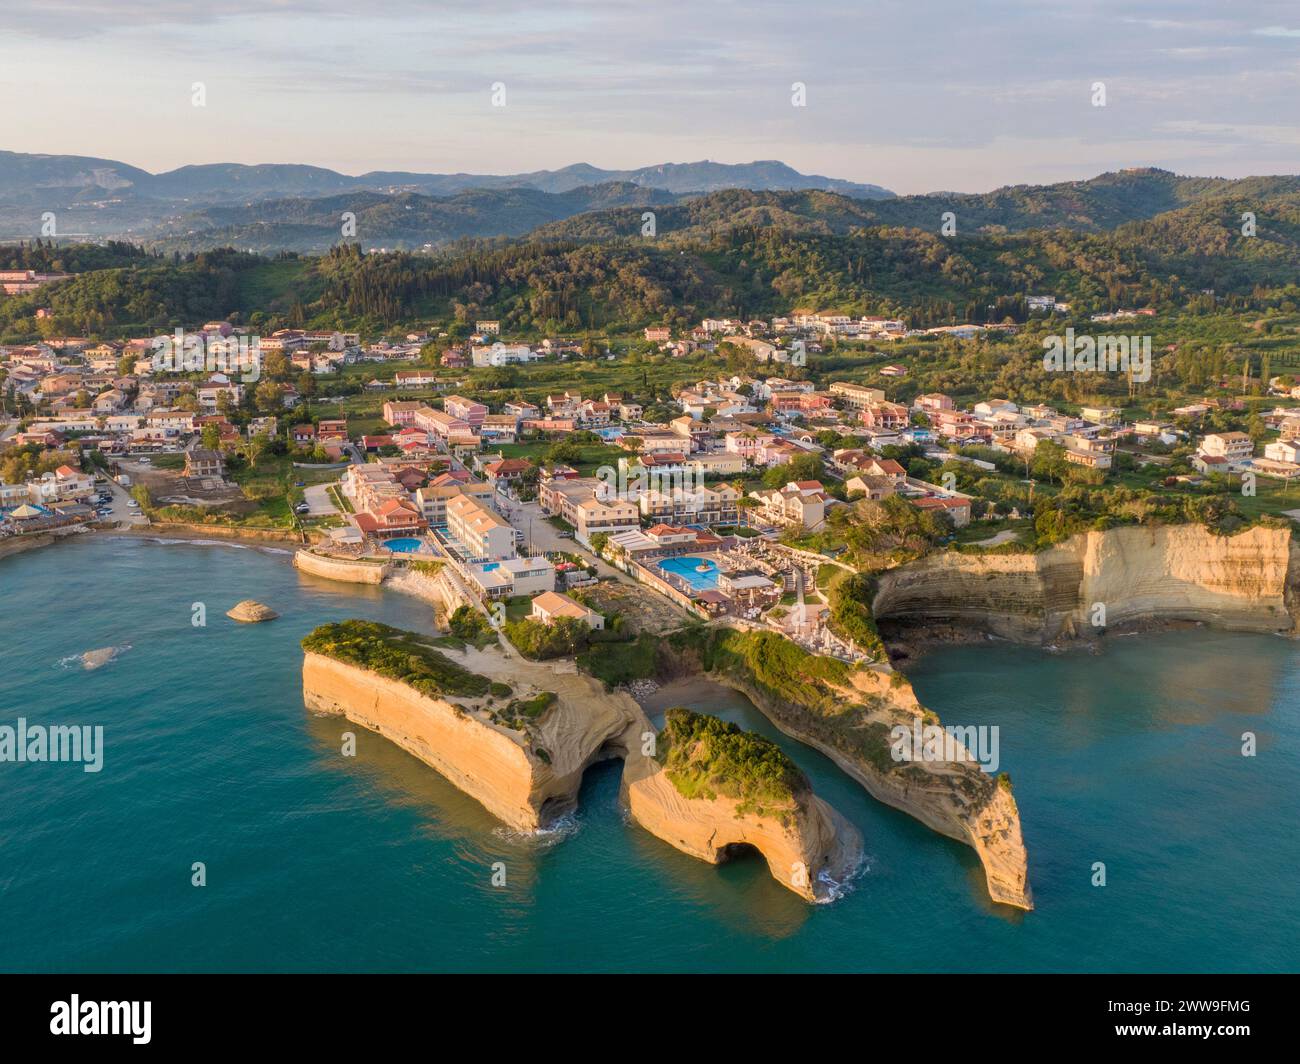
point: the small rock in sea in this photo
(250, 611)
(93, 659)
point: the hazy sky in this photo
(914, 95)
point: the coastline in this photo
(909, 642)
(387, 817)
(755, 697)
(250, 537)
(12, 545)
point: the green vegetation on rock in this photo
(851, 617)
(539, 642)
(621, 663)
(468, 625)
(398, 655)
(705, 757)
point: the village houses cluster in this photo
(437, 482)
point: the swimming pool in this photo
(685, 567)
(405, 546)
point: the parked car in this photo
(302, 508)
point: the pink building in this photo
(467, 410)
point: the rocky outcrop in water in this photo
(97, 659)
(522, 756)
(527, 774)
(250, 611)
(811, 850)
(954, 798)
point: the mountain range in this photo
(577, 260)
(273, 208)
(107, 198)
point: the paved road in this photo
(528, 518)
(317, 497)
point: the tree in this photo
(800, 467)
(275, 365)
(268, 397)
(1049, 461)
(251, 448)
(563, 452)
(563, 637)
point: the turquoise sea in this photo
(316, 862)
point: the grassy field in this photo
(1271, 497)
(273, 485)
(594, 455)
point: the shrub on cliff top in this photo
(562, 638)
(851, 616)
(619, 663)
(398, 655)
(470, 626)
(771, 660)
(705, 757)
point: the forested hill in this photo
(405, 220)
(1100, 204)
(612, 210)
(729, 253)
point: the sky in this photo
(914, 95)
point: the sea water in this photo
(1130, 759)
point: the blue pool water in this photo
(320, 862)
(404, 546)
(685, 568)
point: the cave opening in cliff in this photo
(738, 851)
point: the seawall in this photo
(343, 569)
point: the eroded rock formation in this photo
(1136, 574)
(250, 611)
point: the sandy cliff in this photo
(813, 852)
(527, 776)
(1138, 574)
(954, 798)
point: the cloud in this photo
(891, 84)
